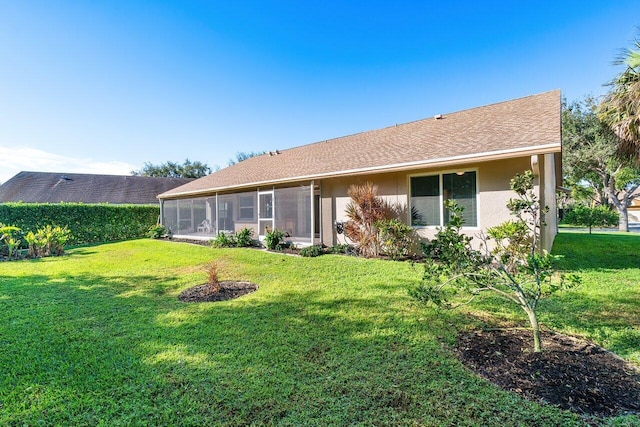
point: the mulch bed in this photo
(572, 374)
(228, 290)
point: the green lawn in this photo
(98, 337)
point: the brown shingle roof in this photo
(49, 187)
(519, 126)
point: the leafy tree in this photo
(586, 216)
(591, 160)
(514, 268)
(244, 155)
(170, 169)
(621, 107)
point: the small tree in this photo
(585, 216)
(364, 210)
(510, 264)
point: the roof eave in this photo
(440, 162)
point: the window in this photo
(245, 205)
(428, 194)
(425, 200)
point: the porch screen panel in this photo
(200, 214)
(185, 216)
(211, 214)
(246, 215)
(293, 212)
(226, 212)
(170, 215)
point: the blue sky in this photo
(104, 86)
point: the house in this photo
(49, 187)
(634, 211)
(468, 156)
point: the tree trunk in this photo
(533, 320)
(623, 222)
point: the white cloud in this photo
(16, 159)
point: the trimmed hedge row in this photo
(88, 223)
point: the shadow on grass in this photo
(89, 349)
(581, 252)
(612, 321)
(605, 307)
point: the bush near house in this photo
(88, 223)
(241, 239)
(274, 240)
(372, 225)
(157, 231)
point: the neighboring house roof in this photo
(49, 187)
(529, 125)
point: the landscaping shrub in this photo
(47, 241)
(274, 239)
(395, 237)
(9, 240)
(87, 223)
(244, 237)
(340, 249)
(223, 240)
(157, 231)
(312, 251)
(373, 224)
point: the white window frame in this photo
(441, 199)
(252, 207)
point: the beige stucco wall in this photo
(493, 193)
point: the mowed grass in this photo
(98, 337)
(606, 307)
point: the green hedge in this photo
(88, 223)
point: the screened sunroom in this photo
(288, 209)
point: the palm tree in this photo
(364, 210)
(620, 109)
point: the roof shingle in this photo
(511, 126)
(50, 187)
